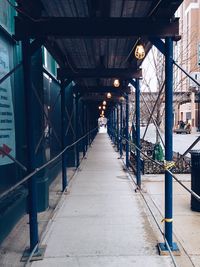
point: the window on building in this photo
(7, 13)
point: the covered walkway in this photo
(102, 221)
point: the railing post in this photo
(127, 131)
(30, 117)
(137, 104)
(168, 147)
(63, 137)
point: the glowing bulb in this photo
(104, 102)
(104, 107)
(116, 83)
(109, 95)
(121, 98)
(139, 52)
(99, 107)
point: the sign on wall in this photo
(7, 124)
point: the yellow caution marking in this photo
(169, 164)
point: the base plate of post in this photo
(163, 250)
(37, 256)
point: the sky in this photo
(149, 74)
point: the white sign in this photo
(7, 124)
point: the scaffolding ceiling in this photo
(94, 40)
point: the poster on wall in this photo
(7, 124)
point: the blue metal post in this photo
(111, 124)
(86, 127)
(127, 131)
(63, 138)
(30, 117)
(121, 130)
(77, 130)
(114, 125)
(168, 136)
(137, 104)
(168, 148)
(83, 127)
(117, 127)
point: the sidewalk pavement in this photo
(103, 221)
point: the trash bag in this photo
(158, 153)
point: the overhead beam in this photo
(99, 73)
(63, 27)
(35, 45)
(101, 89)
(114, 99)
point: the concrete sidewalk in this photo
(186, 223)
(102, 221)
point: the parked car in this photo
(186, 129)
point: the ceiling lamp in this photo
(121, 98)
(104, 102)
(116, 83)
(139, 51)
(109, 95)
(99, 107)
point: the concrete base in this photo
(39, 255)
(163, 251)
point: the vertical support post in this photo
(121, 130)
(137, 104)
(63, 138)
(83, 127)
(127, 131)
(86, 127)
(168, 146)
(109, 125)
(117, 127)
(113, 127)
(89, 127)
(168, 136)
(30, 117)
(76, 131)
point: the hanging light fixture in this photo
(139, 51)
(109, 95)
(104, 107)
(104, 102)
(121, 98)
(99, 107)
(116, 83)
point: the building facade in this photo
(187, 55)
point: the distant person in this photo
(182, 124)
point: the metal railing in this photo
(38, 169)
